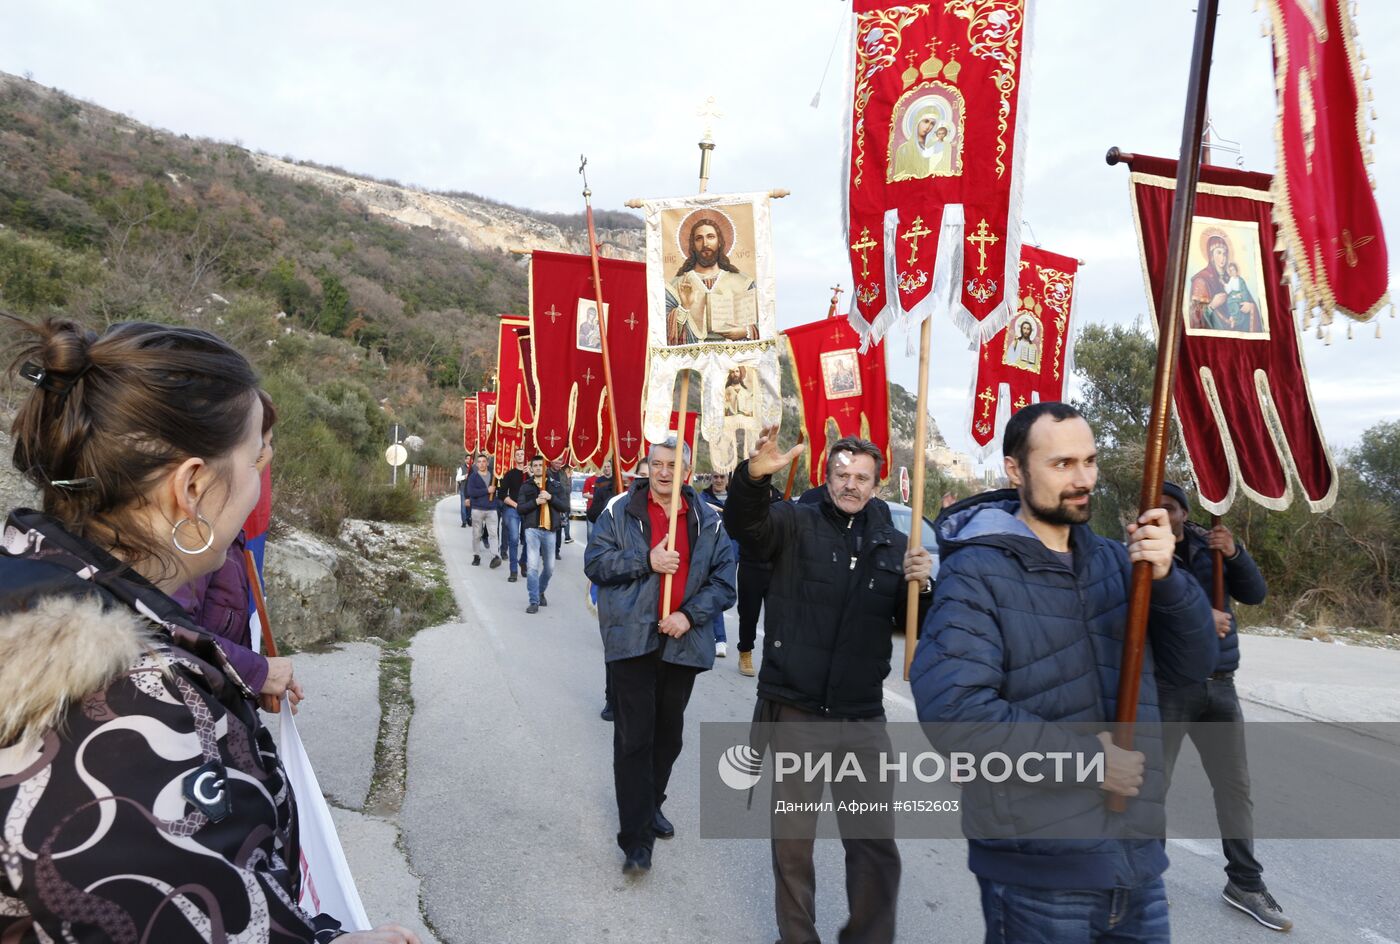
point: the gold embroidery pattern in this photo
(994, 33)
(879, 35)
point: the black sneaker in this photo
(512, 578)
(1258, 905)
(543, 601)
(476, 561)
(495, 562)
(532, 608)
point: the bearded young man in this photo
(1024, 641)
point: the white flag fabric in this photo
(327, 887)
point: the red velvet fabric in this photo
(1047, 295)
(971, 56)
(1326, 207)
(512, 401)
(862, 411)
(470, 433)
(1231, 362)
(573, 419)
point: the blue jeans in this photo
(511, 519)
(539, 544)
(462, 507)
(1016, 914)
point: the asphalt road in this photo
(510, 818)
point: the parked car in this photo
(578, 505)
(903, 517)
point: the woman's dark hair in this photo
(110, 412)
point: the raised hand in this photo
(766, 459)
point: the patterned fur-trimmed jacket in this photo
(141, 799)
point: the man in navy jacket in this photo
(481, 497)
(1219, 739)
(1024, 640)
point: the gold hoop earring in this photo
(175, 535)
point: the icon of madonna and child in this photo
(1224, 297)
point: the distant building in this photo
(958, 465)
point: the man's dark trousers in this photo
(872, 865)
(649, 699)
(754, 579)
(1210, 712)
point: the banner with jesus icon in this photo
(1243, 405)
(711, 309)
(934, 162)
(1027, 361)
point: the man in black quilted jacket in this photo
(840, 569)
(1219, 739)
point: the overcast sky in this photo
(500, 99)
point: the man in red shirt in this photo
(655, 644)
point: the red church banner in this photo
(935, 162)
(470, 433)
(1242, 400)
(1026, 362)
(486, 420)
(567, 356)
(839, 386)
(513, 409)
(1322, 193)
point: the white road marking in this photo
(1374, 937)
(1195, 848)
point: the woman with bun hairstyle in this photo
(141, 798)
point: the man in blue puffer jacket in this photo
(1024, 640)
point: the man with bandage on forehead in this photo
(840, 568)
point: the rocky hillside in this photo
(474, 223)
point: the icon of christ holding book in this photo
(709, 299)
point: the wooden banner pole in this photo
(1188, 171)
(916, 495)
(792, 469)
(602, 330)
(271, 703)
(677, 480)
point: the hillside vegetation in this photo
(354, 323)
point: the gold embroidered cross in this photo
(863, 246)
(988, 399)
(981, 239)
(631, 321)
(915, 234)
(554, 314)
(848, 410)
(588, 377)
(810, 384)
(552, 438)
(628, 440)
